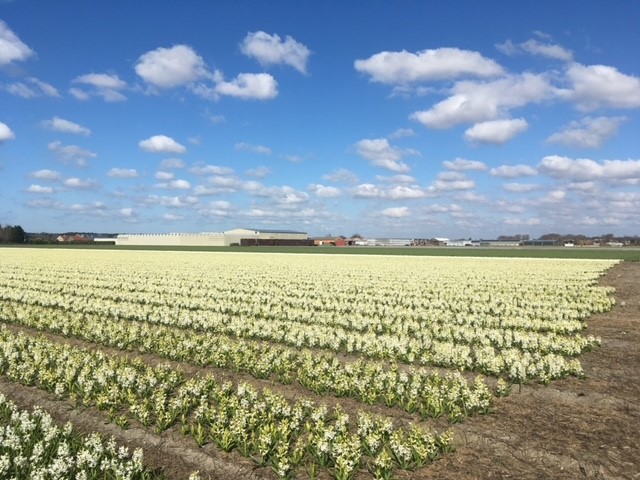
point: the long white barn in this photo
(218, 239)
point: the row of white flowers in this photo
(414, 389)
(33, 446)
(519, 318)
(261, 425)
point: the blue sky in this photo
(402, 119)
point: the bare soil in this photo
(572, 429)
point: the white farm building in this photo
(238, 236)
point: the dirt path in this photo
(574, 428)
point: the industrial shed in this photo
(238, 236)
(172, 239)
(247, 237)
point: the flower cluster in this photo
(517, 318)
(33, 446)
(261, 425)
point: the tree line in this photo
(12, 234)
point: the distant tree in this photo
(17, 235)
(356, 235)
(9, 234)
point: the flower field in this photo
(305, 366)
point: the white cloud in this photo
(271, 50)
(496, 132)
(177, 184)
(172, 202)
(380, 153)
(127, 213)
(583, 169)
(71, 154)
(397, 179)
(535, 47)
(161, 144)
(394, 192)
(218, 208)
(324, 191)
(58, 124)
(164, 176)
(172, 217)
(123, 173)
(601, 86)
(396, 212)
(51, 175)
(203, 170)
(587, 133)
(35, 88)
(284, 195)
(341, 175)
(172, 163)
(463, 164)
(40, 189)
(401, 133)
(171, 67)
(6, 133)
(522, 222)
(513, 171)
(520, 187)
(11, 47)
(473, 102)
(426, 65)
(448, 181)
(261, 149)
(259, 172)
(249, 86)
(104, 85)
(75, 182)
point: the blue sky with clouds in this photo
(403, 119)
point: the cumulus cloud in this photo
(381, 153)
(172, 217)
(258, 172)
(513, 171)
(583, 169)
(496, 132)
(324, 191)
(12, 49)
(261, 149)
(600, 86)
(172, 163)
(426, 65)
(341, 175)
(386, 192)
(401, 133)
(203, 170)
(587, 133)
(520, 187)
(473, 102)
(272, 50)
(463, 164)
(45, 174)
(249, 86)
(123, 173)
(78, 183)
(161, 144)
(71, 154)
(107, 86)
(33, 88)
(171, 202)
(40, 189)
(171, 67)
(177, 184)
(58, 124)
(6, 133)
(164, 176)
(396, 212)
(535, 47)
(448, 181)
